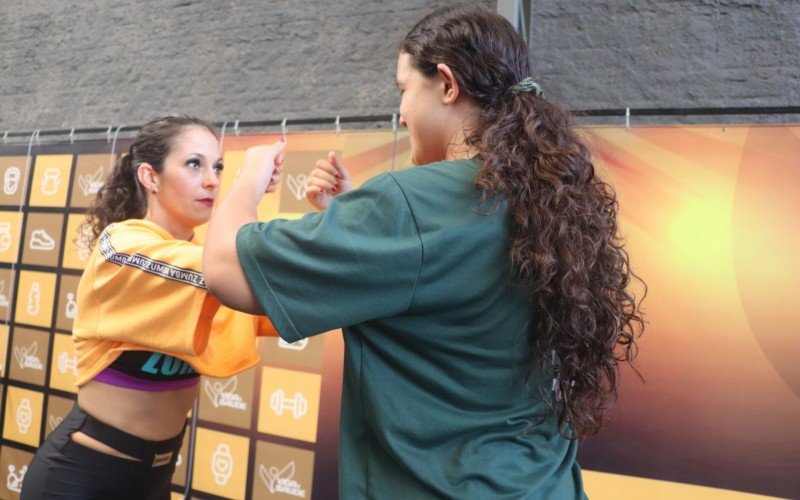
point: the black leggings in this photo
(63, 468)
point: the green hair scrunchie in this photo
(526, 86)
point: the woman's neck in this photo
(175, 230)
(457, 148)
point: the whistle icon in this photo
(11, 180)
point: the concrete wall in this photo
(659, 54)
(92, 63)
(109, 62)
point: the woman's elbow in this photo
(213, 271)
(211, 276)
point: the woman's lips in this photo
(209, 202)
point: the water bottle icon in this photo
(34, 299)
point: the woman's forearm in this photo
(223, 272)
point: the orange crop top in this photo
(143, 290)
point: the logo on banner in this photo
(294, 346)
(280, 480)
(224, 394)
(91, 183)
(297, 184)
(14, 479)
(24, 414)
(40, 240)
(26, 357)
(11, 180)
(51, 181)
(298, 405)
(222, 464)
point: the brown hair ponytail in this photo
(120, 198)
(565, 247)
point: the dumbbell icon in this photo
(67, 362)
(280, 403)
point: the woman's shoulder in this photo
(139, 235)
(440, 171)
(137, 228)
(442, 176)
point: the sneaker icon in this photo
(40, 240)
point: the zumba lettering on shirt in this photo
(149, 265)
(166, 366)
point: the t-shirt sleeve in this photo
(356, 261)
(266, 328)
(145, 290)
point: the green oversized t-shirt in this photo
(435, 402)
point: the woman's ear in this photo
(450, 90)
(148, 177)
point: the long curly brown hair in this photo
(565, 246)
(122, 197)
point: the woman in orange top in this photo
(146, 326)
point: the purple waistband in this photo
(119, 379)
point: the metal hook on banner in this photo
(628, 118)
(283, 128)
(222, 135)
(236, 128)
(72, 135)
(114, 144)
(338, 126)
(34, 135)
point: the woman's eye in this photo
(193, 164)
(218, 168)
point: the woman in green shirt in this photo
(483, 294)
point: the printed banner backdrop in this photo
(711, 219)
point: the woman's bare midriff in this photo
(154, 416)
